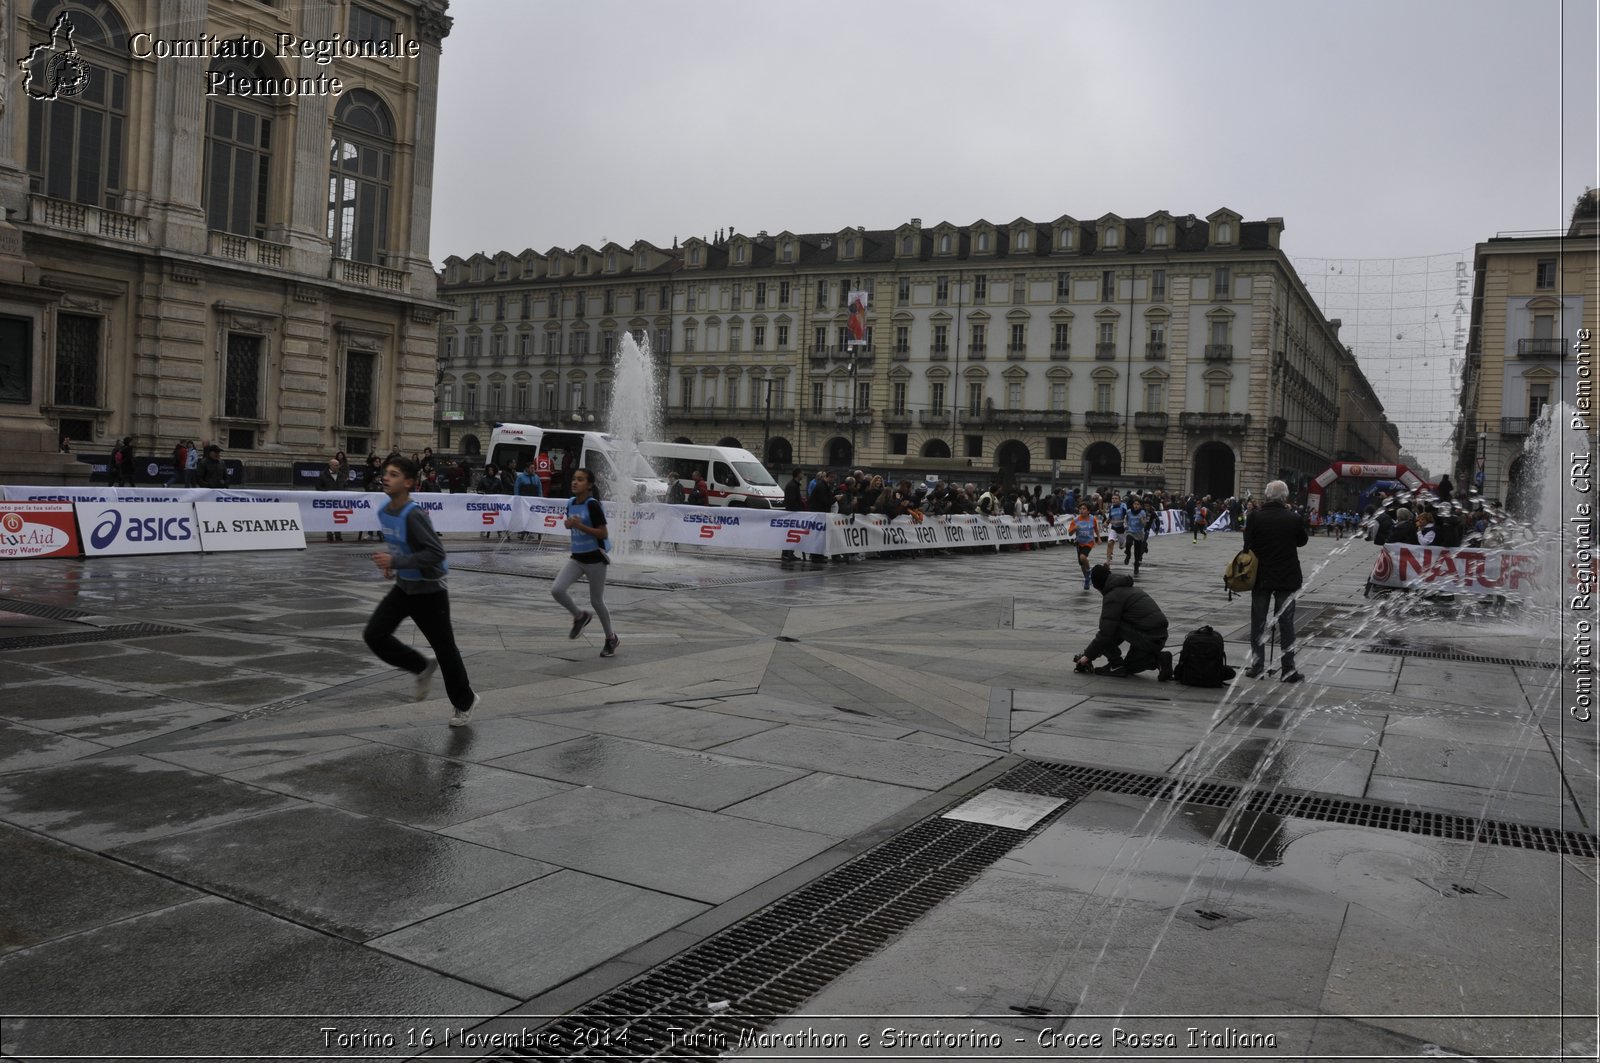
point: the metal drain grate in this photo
(104, 634)
(1339, 810)
(47, 612)
(1451, 655)
(769, 963)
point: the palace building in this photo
(224, 244)
(1168, 350)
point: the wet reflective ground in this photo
(251, 816)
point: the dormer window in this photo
(850, 249)
(788, 250)
(639, 261)
(983, 241)
(944, 244)
(1111, 238)
(611, 262)
(738, 253)
(905, 246)
(555, 266)
(583, 264)
(1066, 239)
(1022, 239)
(694, 256)
(1161, 236)
(1224, 232)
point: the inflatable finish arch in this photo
(1354, 468)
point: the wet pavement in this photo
(245, 814)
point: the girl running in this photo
(415, 561)
(1084, 531)
(587, 520)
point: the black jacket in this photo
(1127, 614)
(1384, 528)
(1276, 533)
(794, 495)
(821, 496)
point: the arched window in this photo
(1111, 238)
(944, 244)
(983, 241)
(905, 246)
(1066, 239)
(1224, 233)
(238, 181)
(361, 169)
(1022, 239)
(1161, 235)
(76, 139)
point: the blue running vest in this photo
(394, 535)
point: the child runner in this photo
(588, 523)
(1084, 531)
(1117, 516)
(415, 561)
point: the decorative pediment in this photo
(1157, 313)
(899, 374)
(1057, 374)
(1224, 227)
(1105, 372)
(976, 372)
(1220, 313)
(1107, 313)
(1217, 374)
(1155, 374)
(1015, 373)
(1061, 315)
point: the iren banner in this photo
(1454, 570)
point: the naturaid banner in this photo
(1454, 570)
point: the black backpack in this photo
(1204, 660)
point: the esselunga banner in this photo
(38, 529)
(1454, 570)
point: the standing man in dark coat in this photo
(212, 472)
(1127, 614)
(794, 500)
(1275, 533)
(821, 501)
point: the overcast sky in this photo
(1374, 129)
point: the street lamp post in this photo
(853, 351)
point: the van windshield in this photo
(755, 474)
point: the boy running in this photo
(415, 561)
(1084, 531)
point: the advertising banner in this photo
(116, 528)
(1454, 570)
(31, 493)
(38, 529)
(332, 511)
(262, 526)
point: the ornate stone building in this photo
(1164, 350)
(1531, 294)
(216, 241)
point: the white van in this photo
(733, 477)
(512, 446)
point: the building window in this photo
(1158, 286)
(783, 337)
(1102, 396)
(525, 345)
(897, 398)
(783, 293)
(979, 345)
(941, 291)
(496, 398)
(1544, 327)
(77, 360)
(522, 393)
(688, 339)
(1108, 286)
(905, 246)
(941, 338)
(983, 241)
(1545, 273)
(238, 158)
(822, 294)
(1151, 451)
(819, 339)
(944, 244)
(368, 25)
(1221, 284)
(897, 442)
(974, 397)
(761, 294)
(1013, 396)
(1022, 239)
(1066, 240)
(1108, 333)
(980, 289)
(709, 395)
(242, 388)
(1058, 398)
(608, 343)
(844, 337)
(474, 346)
(736, 297)
(359, 369)
(1161, 236)
(1224, 233)
(1063, 287)
(1063, 337)
(863, 395)
(1152, 396)
(731, 399)
(360, 172)
(1056, 448)
(75, 143)
(1538, 399)
(1216, 396)
(1219, 333)
(469, 400)
(816, 396)
(735, 339)
(758, 336)
(788, 251)
(1158, 337)
(973, 446)
(1111, 237)
(936, 398)
(780, 393)
(1019, 336)
(497, 346)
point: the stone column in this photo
(307, 234)
(177, 148)
(433, 25)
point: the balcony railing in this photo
(1153, 422)
(1219, 352)
(1060, 352)
(978, 352)
(939, 352)
(901, 353)
(1155, 352)
(1097, 420)
(897, 419)
(1515, 426)
(1035, 419)
(1105, 352)
(246, 249)
(933, 417)
(976, 418)
(1215, 422)
(1017, 352)
(81, 218)
(1541, 347)
(369, 275)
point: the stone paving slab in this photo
(865, 758)
(29, 747)
(666, 725)
(349, 875)
(536, 936)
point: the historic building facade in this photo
(1532, 293)
(1165, 350)
(218, 244)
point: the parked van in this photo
(733, 477)
(512, 446)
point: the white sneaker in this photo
(424, 681)
(464, 716)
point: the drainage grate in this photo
(1451, 655)
(1339, 810)
(769, 963)
(104, 634)
(48, 612)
